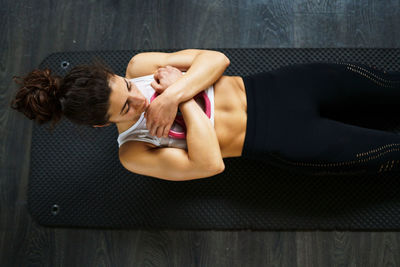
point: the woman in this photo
(280, 115)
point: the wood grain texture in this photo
(31, 30)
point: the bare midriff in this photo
(230, 115)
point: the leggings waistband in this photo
(256, 87)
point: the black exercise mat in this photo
(76, 178)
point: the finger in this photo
(160, 131)
(166, 131)
(155, 129)
(155, 85)
(161, 74)
(156, 75)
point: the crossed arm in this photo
(203, 159)
(203, 68)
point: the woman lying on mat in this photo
(280, 115)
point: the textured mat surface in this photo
(76, 179)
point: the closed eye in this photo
(129, 89)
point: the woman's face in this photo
(127, 103)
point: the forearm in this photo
(202, 142)
(206, 69)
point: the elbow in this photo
(210, 169)
(219, 56)
(203, 173)
(210, 172)
(225, 59)
(219, 169)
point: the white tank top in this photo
(139, 132)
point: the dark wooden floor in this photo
(31, 30)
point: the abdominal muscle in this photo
(230, 115)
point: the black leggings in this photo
(290, 123)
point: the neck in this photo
(125, 125)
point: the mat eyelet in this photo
(55, 209)
(64, 64)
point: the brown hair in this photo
(82, 95)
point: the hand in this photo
(164, 77)
(160, 115)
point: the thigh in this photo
(325, 144)
(355, 87)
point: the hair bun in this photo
(38, 96)
(53, 84)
